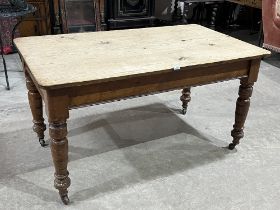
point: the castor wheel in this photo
(231, 146)
(43, 142)
(184, 111)
(65, 199)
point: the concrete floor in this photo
(142, 154)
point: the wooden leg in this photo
(213, 16)
(4, 61)
(242, 108)
(59, 148)
(185, 98)
(185, 13)
(261, 35)
(36, 106)
(175, 13)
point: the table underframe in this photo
(60, 99)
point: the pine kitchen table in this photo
(72, 70)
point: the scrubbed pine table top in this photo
(56, 60)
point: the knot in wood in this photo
(182, 58)
(104, 42)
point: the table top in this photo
(71, 59)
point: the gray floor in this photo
(142, 154)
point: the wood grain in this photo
(58, 113)
(134, 86)
(36, 107)
(59, 148)
(119, 64)
(93, 57)
(185, 98)
(242, 108)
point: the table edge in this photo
(91, 82)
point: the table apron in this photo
(149, 84)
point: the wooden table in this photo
(73, 70)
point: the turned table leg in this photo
(36, 106)
(185, 13)
(242, 108)
(185, 98)
(213, 16)
(59, 148)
